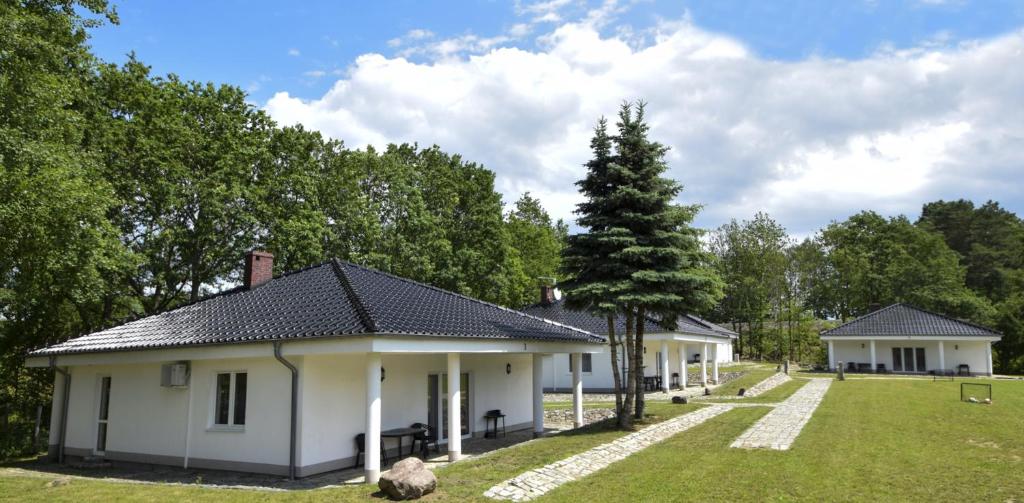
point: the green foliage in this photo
(538, 244)
(752, 260)
(872, 261)
(57, 248)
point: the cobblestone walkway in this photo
(535, 483)
(780, 427)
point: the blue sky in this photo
(767, 105)
(254, 44)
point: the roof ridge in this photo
(466, 297)
(364, 314)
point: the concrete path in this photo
(535, 483)
(780, 427)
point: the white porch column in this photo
(682, 365)
(714, 364)
(577, 390)
(874, 358)
(988, 358)
(538, 395)
(704, 365)
(664, 367)
(942, 356)
(56, 415)
(831, 355)
(454, 407)
(371, 456)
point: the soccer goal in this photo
(975, 392)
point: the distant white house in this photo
(280, 375)
(905, 339)
(693, 342)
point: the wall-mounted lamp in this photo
(382, 374)
(862, 345)
(508, 368)
(956, 347)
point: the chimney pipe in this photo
(259, 268)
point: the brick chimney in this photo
(259, 268)
(547, 295)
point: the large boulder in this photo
(408, 479)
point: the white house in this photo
(906, 339)
(280, 375)
(692, 342)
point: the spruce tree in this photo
(669, 271)
(594, 278)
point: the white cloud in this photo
(316, 74)
(294, 52)
(807, 141)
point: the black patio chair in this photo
(427, 437)
(880, 368)
(851, 367)
(361, 446)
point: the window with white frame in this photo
(229, 406)
(587, 363)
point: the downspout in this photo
(295, 406)
(64, 407)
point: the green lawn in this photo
(753, 375)
(871, 439)
(774, 395)
(464, 480)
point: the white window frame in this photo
(97, 405)
(584, 372)
(230, 426)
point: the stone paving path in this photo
(535, 483)
(780, 427)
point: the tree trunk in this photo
(640, 401)
(613, 342)
(625, 418)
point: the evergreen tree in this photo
(670, 273)
(593, 277)
(639, 256)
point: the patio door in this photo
(437, 403)
(909, 360)
(103, 415)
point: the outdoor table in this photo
(399, 433)
(652, 383)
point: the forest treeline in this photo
(957, 258)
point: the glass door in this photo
(438, 409)
(103, 415)
(897, 360)
(908, 359)
(921, 367)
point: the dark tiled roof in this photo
(688, 324)
(334, 298)
(904, 319)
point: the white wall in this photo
(148, 422)
(557, 376)
(972, 353)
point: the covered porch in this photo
(911, 355)
(498, 386)
(668, 357)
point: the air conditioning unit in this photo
(174, 375)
